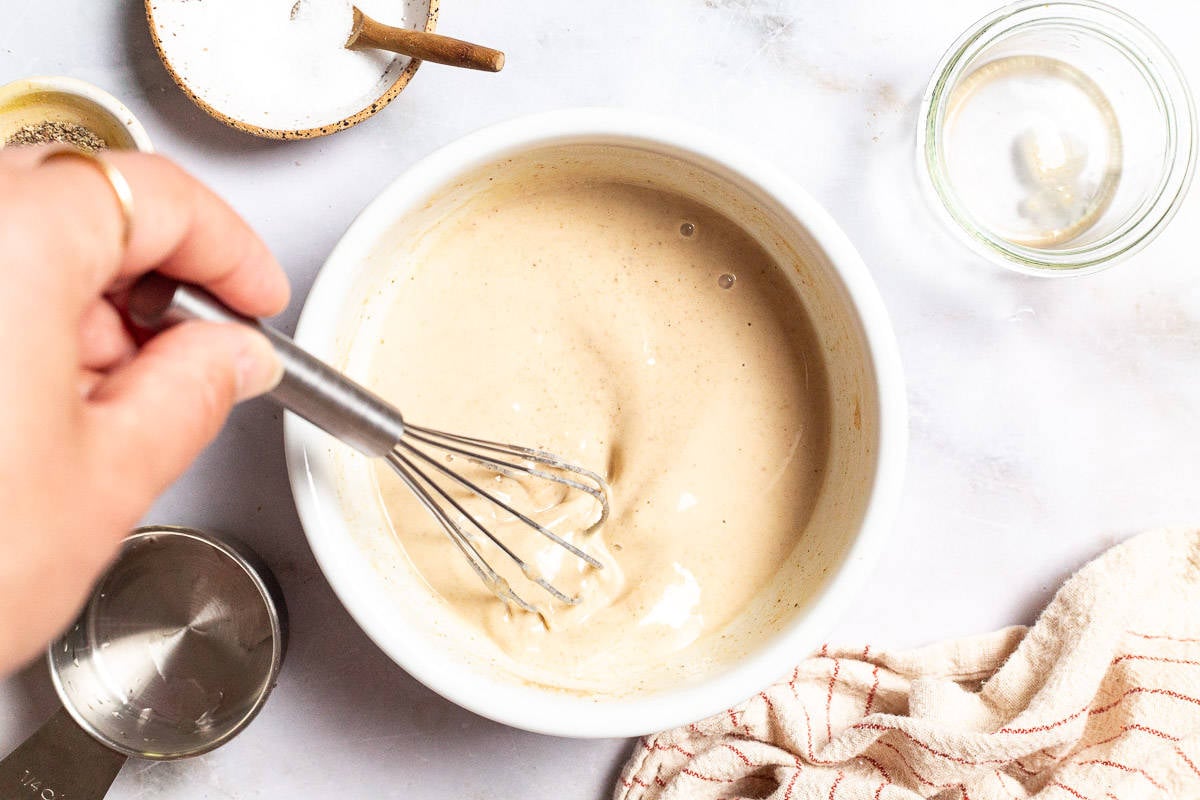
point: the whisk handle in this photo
(310, 387)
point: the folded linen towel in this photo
(1099, 700)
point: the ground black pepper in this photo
(62, 132)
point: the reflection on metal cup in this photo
(174, 654)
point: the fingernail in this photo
(259, 369)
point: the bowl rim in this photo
(549, 711)
(390, 94)
(65, 84)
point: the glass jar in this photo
(1057, 138)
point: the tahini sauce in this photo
(641, 335)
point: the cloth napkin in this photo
(1099, 700)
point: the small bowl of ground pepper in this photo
(47, 110)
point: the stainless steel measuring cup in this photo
(173, 655)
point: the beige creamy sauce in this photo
(645, 337)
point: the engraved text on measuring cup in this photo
(36, 788)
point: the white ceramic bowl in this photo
(349, 534)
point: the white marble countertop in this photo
(1050, 419)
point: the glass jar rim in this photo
(1164, 77)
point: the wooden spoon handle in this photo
(425, 46)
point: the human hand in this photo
(93, 426)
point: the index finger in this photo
(179, 227)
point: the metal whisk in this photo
(361, 419)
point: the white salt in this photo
(280, 64)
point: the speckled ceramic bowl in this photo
(417, 13)
(347, 527)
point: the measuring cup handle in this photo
(59, 762)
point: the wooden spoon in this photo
(367, 33)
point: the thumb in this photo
(154, 415)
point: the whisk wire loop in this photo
(495, 583)
(447, 442)
(526, 570)
(479, 490)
